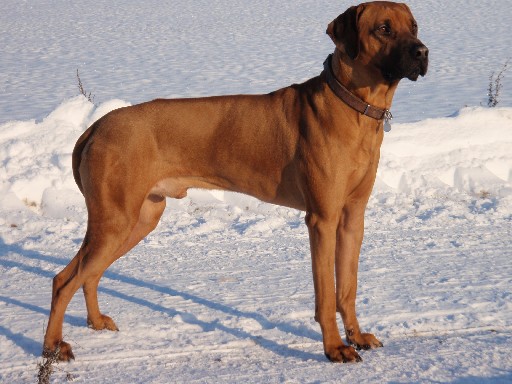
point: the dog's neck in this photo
(361, 83)
(350, 99)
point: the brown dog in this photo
(313, 146)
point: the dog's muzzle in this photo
(408, 60)
(419, 53)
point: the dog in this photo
(313, 146)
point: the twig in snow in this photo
(89, 96)
(495, 85)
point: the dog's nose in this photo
(420, 52)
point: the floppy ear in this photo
(344, 31)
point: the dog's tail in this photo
(77, 154)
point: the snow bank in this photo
(36, 157)
(469, 152)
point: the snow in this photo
(222, 291)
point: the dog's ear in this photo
(344, 31)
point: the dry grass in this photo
(48, 366)
(89, 96)
(483, 194)
(495, 86)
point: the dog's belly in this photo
(285, 194)
(177, 187)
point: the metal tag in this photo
(387, 126)
(387, 121)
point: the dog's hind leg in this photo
(149, 216)
(106, 240)
(65, 285)
(83, 266)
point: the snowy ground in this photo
(137, 51)
(221, 291)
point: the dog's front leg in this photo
(322, 237)
(348, 245)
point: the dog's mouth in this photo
(421, 67)
(420, 70)
(409, 62)
(413, 76)
(412, 71)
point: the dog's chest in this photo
(360, 157)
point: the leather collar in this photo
(350, 99)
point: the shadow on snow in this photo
(34, 347)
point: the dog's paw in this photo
(102, 322)
(364, 341)
(343, 354)
(60, 352)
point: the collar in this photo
(352, 100)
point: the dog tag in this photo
(387, 126)
(387, 121)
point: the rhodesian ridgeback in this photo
(313, 146)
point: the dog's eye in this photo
(384, 29)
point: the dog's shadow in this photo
(33, 347)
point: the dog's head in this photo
(382, 36)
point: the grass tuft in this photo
(495, 86)
(89, 96)
(46, 368)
